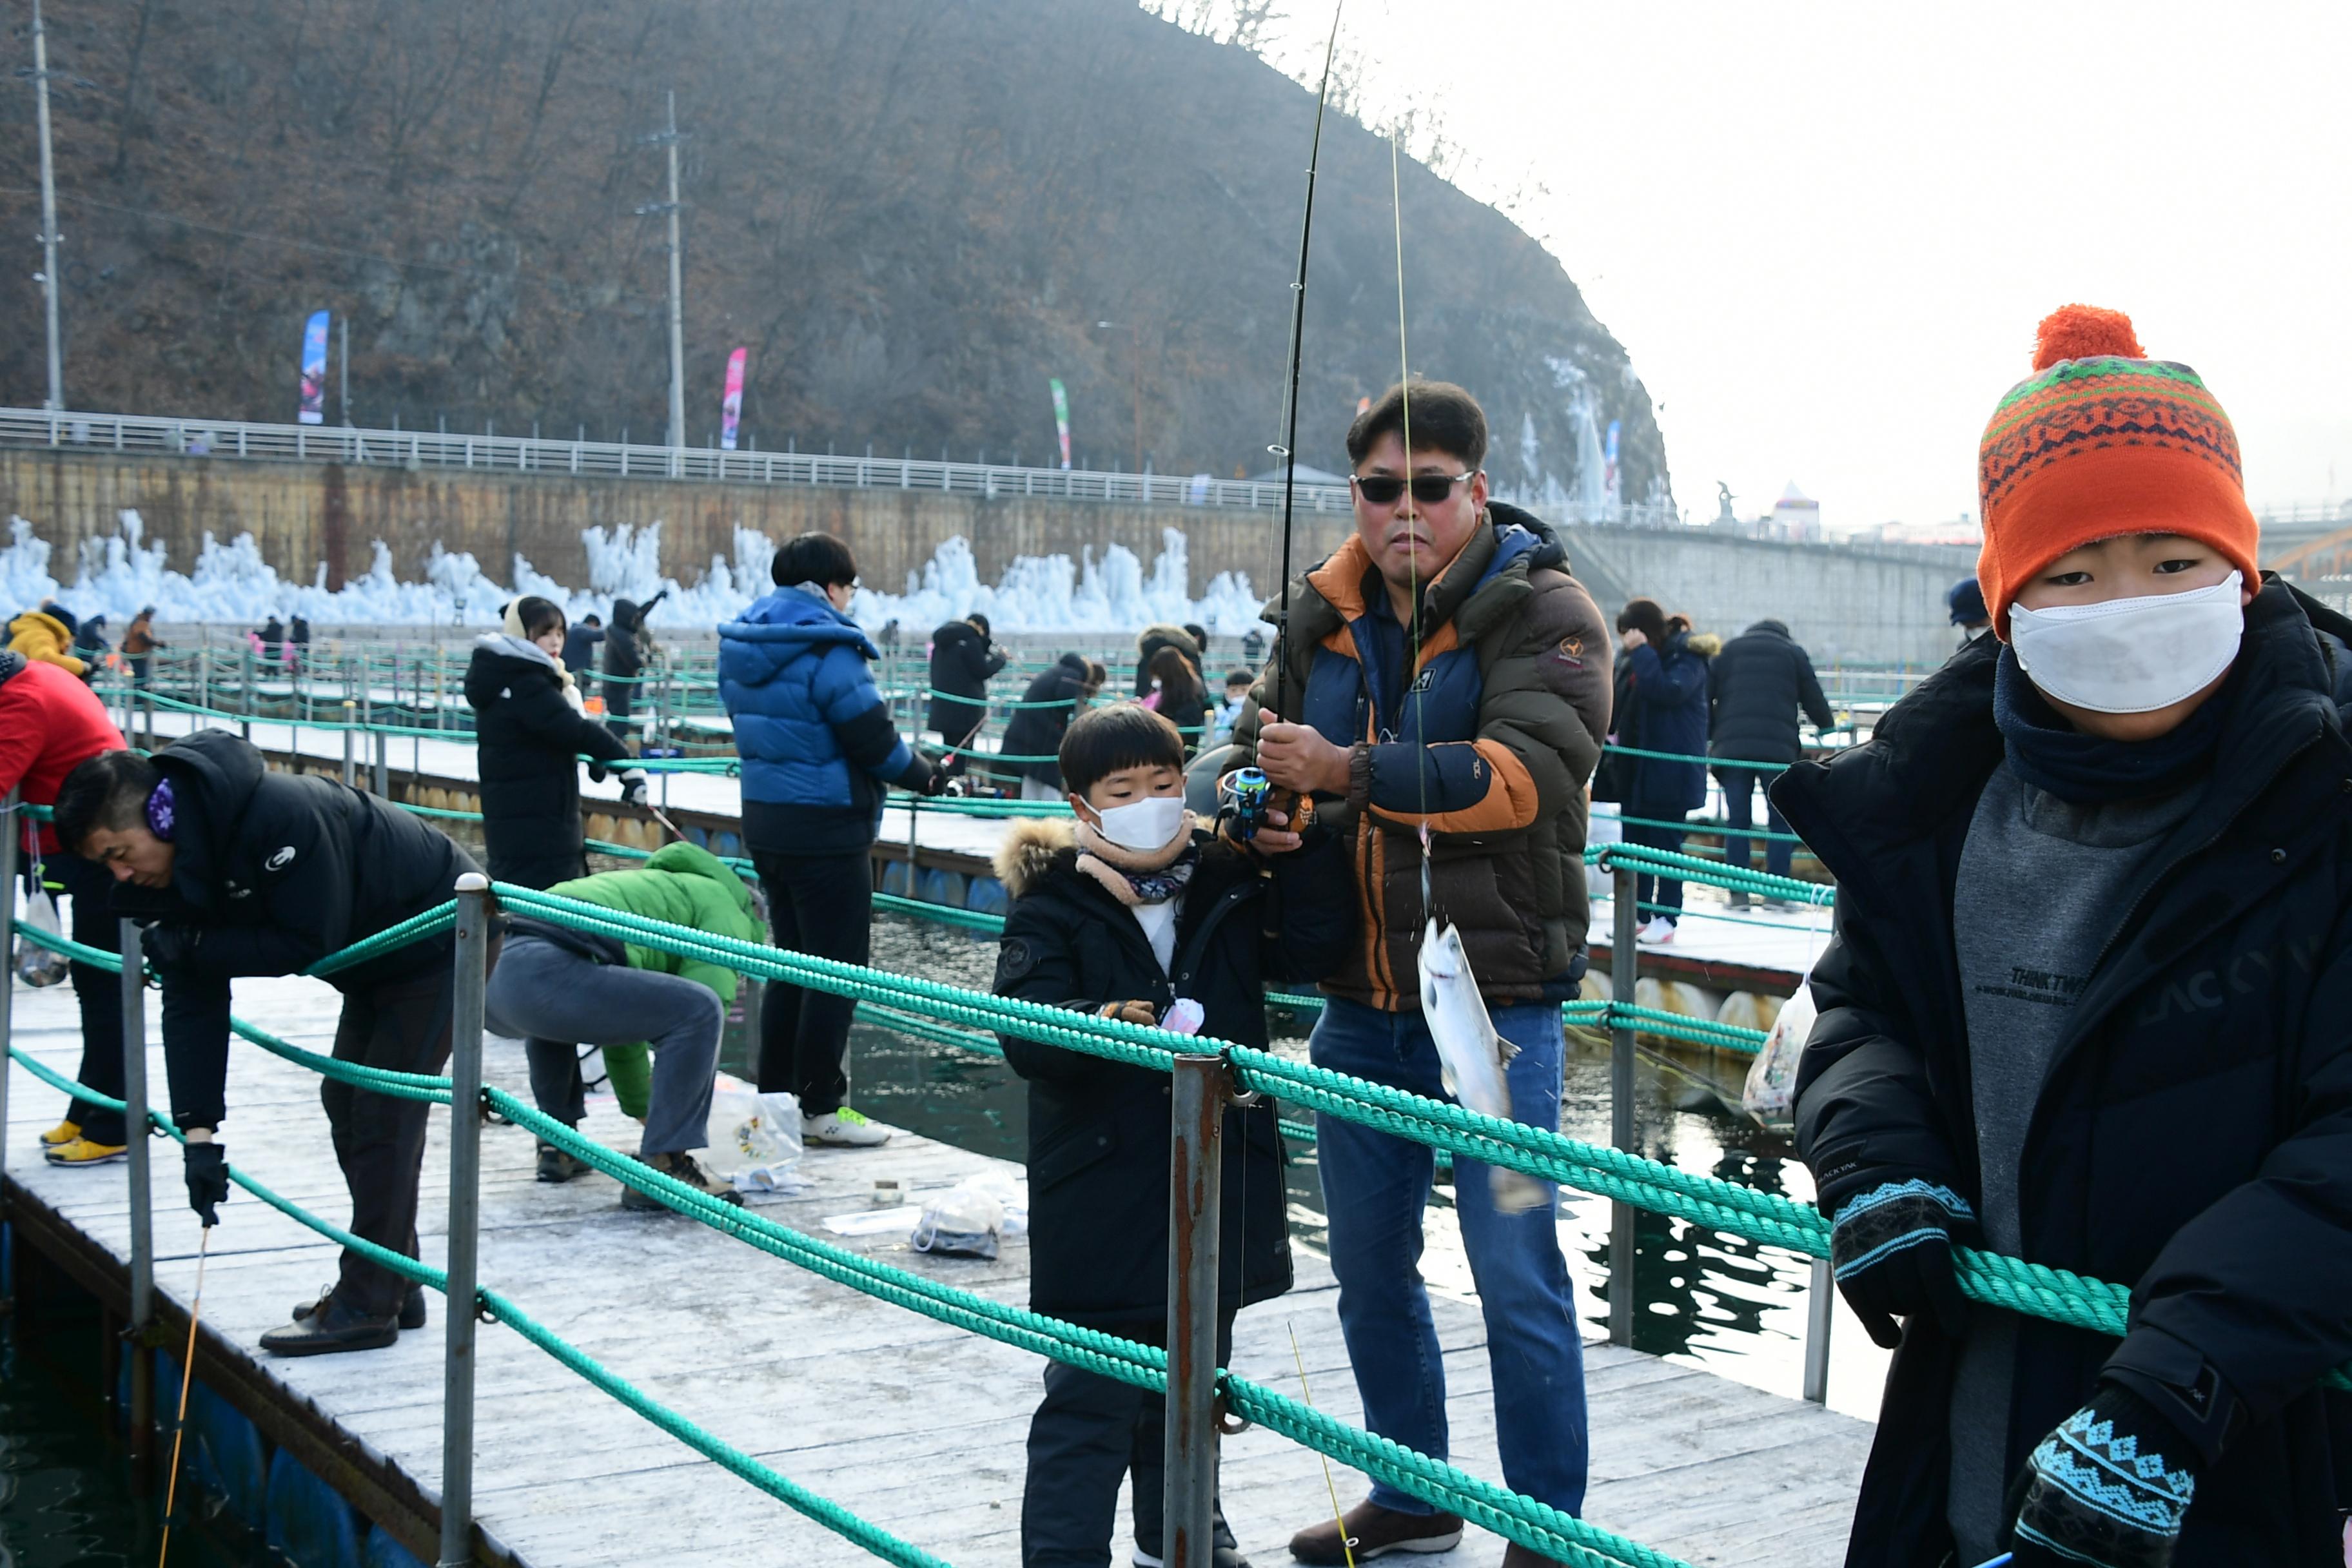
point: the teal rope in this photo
(1689, 867)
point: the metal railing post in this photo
(1624, 964)
(351, 740)
(473, 949)
(1819, 1312)
(382, 765)
(14, 830)
(1196, 1171)
(142, 1223)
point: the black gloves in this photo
(633, 787)
(207, 1172)
(1892, 1249)
(170, 947)
(934, 782)
(596, 773)
(2109, 1488)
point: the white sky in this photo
(1824, 232)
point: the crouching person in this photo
(1136, 908)
(248, 872)
(557, 989)
(2086, 1005)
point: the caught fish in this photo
(1472, 1057)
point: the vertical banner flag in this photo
(314, 369)
(1608, 454)
(731, 408)
(1061, 417)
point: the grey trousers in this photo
(554, 1000)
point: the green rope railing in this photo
(1690, 868)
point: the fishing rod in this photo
(187, 1378)
(1288, 450)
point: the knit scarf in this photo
(1135, 877)
(2088, 770)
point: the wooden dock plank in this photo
(911, 1424)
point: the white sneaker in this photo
(843, 1129)
(1659, 931)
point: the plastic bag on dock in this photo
(35, 964)
(962, 1222)
(755, 1138)
(1773, 1076)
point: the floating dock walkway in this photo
(904, 1421)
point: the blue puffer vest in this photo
(791, 671)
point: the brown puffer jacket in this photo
(1491, 748)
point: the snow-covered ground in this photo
(231, 584)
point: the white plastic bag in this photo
(755, 1138)
(38, 965)
(1773, 1076)
(964, 1221)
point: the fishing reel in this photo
(1247, 796)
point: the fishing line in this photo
(187, 1378)
(1307, 1397)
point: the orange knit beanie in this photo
(2104, 441)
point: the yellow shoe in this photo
(82, 1152)
(63, 1132)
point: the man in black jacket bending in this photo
(962, 661)
(1759, 681)
(248, 872)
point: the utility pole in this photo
(344, 369)
(49, 209)
(667, 136)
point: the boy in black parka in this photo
(1121, 913)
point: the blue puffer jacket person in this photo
(817, 744)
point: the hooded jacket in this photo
(1490, 748)
(273, 872)
(2192, 1138)
(962, 664)
(625, 647)
(1663, 709)
(1036, 732)
(1098, 1130)
(138, 636)
(1147, 644)
(1756, 687)
(39, 635)
(530, 743)
(816, 740)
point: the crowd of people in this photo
(2084, 1002)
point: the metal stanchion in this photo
(1196, 1171)
(351, 739)
(142, 1221)
(1820, 1307)
(382, 765)
(1625, 962)
(14, 823)
(465, 1219)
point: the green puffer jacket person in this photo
(683, 885)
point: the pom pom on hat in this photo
(2084, 331)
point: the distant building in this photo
(1796, 516)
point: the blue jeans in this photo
(1659, 897)
(1739, 787)
(1375, 1186)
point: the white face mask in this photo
(1144, 823)
(2131, 656)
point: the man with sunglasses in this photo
(1445, 686)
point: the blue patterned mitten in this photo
(1892, 1250)
(2110, 1487)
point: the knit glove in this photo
(207, 1173)
(1890, 1249)
(2110, 1487)
(633, 787)
(169, 947)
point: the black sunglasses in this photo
(1429, 490)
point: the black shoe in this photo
(1739, 900)
(557, 1166)
(412, 1307)
(331, 1332)
(680, 1168)
(1225, 1551)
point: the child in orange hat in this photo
(2087, 1006)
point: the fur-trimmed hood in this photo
(1030, 847)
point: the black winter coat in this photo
(2193, 1140)
(530, 738)
(1098, 1132)
(1756, 686)
(961, 662)
(1037, 731)
(275, 872)
(1663, 709)
(580, 647)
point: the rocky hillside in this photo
(912, 212)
